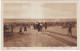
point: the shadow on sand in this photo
(75, 37)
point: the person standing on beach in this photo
(45, 25)
(20, 31)
(39, 27)
(70, 31)
(12, 27)
(25, 29)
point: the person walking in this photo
(38, 27)
(70, 31)
(12, 28)
(41, 27)
(20, 31)
(45, 25)
(25, 29)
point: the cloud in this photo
(16, 10)
(60, 10)
(43, 10)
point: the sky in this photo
(39, 10)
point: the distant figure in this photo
(20, 31)
(39, 27)
(12, 28)
(31, 26)
(45, 25)
(6, 28)
(25, 28)
(70, 31)
(35, 25)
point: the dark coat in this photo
(25, 28)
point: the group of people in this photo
(39, 27)
(8, 27)
(25, 29)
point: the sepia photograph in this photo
(39, 24)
